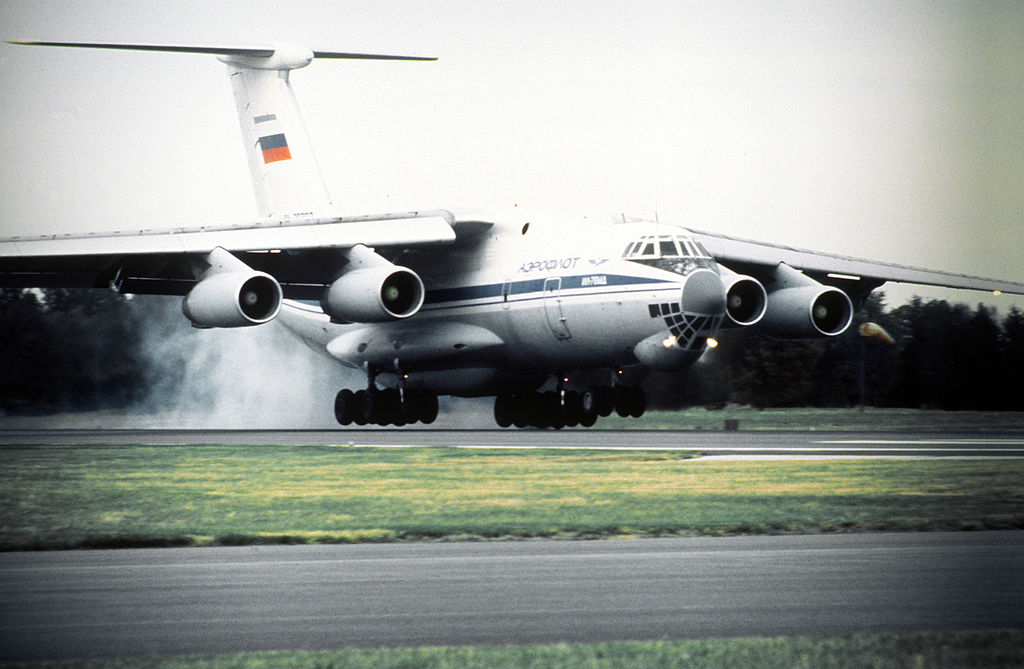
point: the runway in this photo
(719, 444)
(137, 602)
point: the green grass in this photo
(871, 419)
(109, 496)
(995, 648)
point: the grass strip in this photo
(989, 648)
(120, 496)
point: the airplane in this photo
(543, 315)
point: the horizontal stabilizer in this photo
(252, 52)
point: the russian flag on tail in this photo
(275, 147)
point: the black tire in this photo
(588, 408)
(638, 404)
(605, 400)
(410, 409)
(572, 408)
(520, 410)
(390, 407)
(360, 404)
(343, 406)
(623, 400)
(503, 410)
(428, 407)
(549, 410)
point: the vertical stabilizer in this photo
(285, 175)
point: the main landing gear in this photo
(388, 406)
(568, 408)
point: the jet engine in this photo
(373, 290)
(231, 294)
(745, 299)
(801, 308)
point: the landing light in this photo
(669, 341)
(997, 293)
(712, 342)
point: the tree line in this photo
(945, 356)
(76, 350)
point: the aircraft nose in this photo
(704, 293)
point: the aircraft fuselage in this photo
(529, 299)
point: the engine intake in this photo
(745, 300)
(233, 299)
(374, 291)
(801, 308)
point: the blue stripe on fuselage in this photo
(599, 283)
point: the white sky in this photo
(888, 130)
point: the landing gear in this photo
(568, 408)
(388, 406)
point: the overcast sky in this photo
(888, 130)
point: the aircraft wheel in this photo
(427, 407)
(503, 410)
(344, 407)
(550, 412)
(360, 404)
(639, 403)
(622, 400)
(410, 409)
(588, 408)
(572, 410)
(390, 408)
(588, 419)
(371, 404)
(605, 400)
(520, 410)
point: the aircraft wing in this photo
(856, 276)
(302, 254)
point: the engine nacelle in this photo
(745, 300)
(806, 312)
(374, 295)
(801, 308)
(233, 299)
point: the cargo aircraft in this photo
(448, 302)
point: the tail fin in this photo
(285, 175)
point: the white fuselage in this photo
(550, 298)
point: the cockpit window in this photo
(665, 246)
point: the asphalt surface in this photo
(82, 604)
(732, 444)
